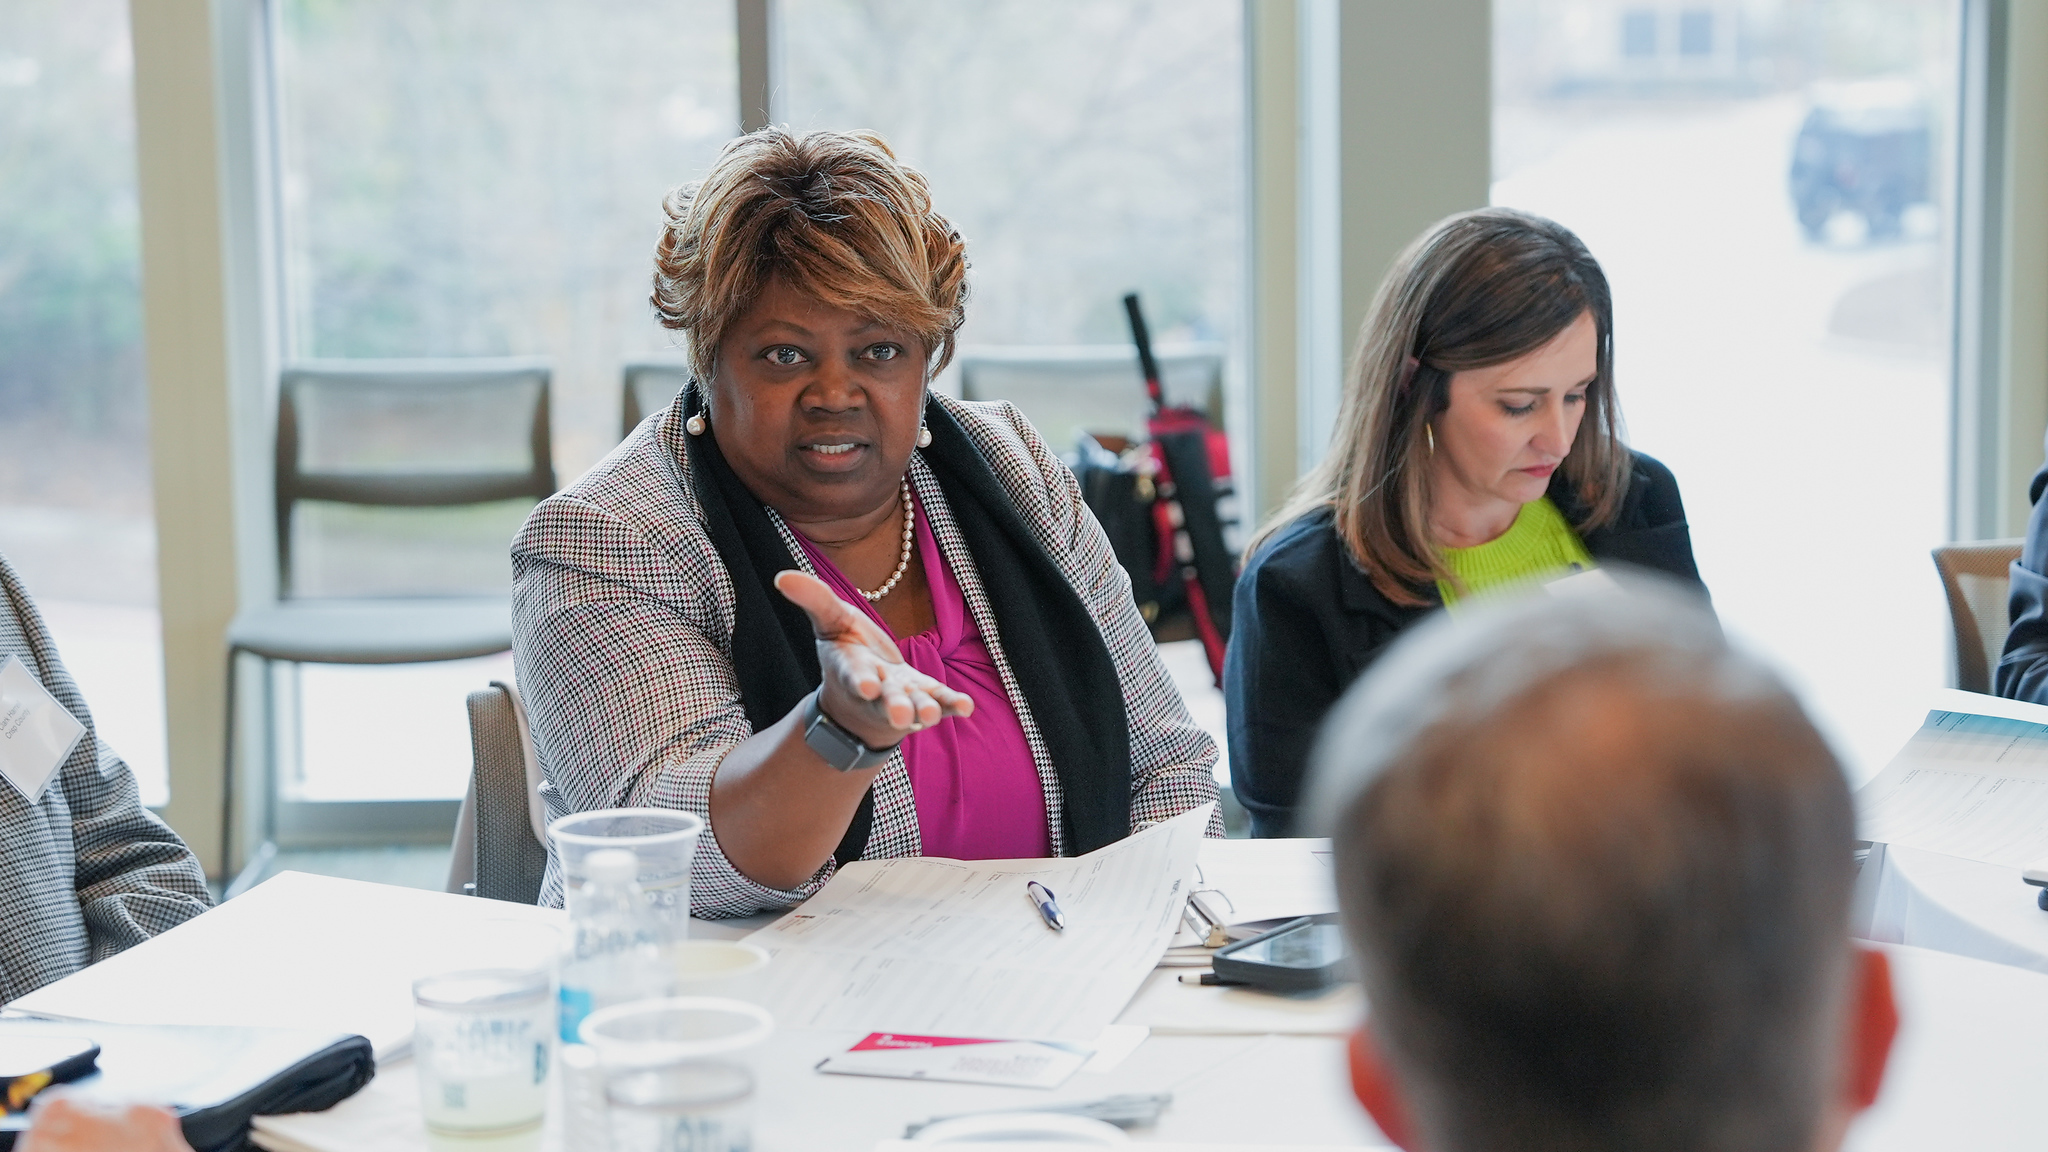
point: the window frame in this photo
(207, 182)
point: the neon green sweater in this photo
(1540, 545)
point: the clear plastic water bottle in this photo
(614, 950)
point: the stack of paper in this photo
(301, 951)
(956, 948)
(1972, 782)
(1252, 885)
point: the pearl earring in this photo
(695, 424)
(924, 436)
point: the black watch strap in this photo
(835, 745)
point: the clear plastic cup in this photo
(656, 1033)
(664, 840)
(701, 1105)
(677, 1072)
(482, 1042)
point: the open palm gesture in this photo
(868, 689)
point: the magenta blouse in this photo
(976, 786)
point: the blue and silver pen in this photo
(1041, 899)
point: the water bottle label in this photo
(576, 1004)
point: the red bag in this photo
(1195, 493)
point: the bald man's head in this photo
(1596, 867)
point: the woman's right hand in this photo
(868, 689)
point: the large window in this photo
(477, 178)
(485, 179)
(75, 505)
(1084, 148)
(1768, 185)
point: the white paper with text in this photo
(1968, 785)
(956, 948)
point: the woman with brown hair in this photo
(1478, 445)
(835, 614)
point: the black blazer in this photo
(1307, 621)
(2022, 672)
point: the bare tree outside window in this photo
(76, 513)
(1085, 148)
(474, 178)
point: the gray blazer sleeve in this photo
(2022, 672)
(87, 870)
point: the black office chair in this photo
(650, 386)
(501, 835)
(358, 436)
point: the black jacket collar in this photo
(1649, 531)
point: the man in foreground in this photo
(1595, 867)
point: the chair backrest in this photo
(1976, 576)
(1066, 390)
(412, 434)
(503, 822)
(650, 386)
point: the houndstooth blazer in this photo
(87, 870)
(622, 621)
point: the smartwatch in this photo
(835, 745)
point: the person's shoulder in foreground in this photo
(85, 869)
(2022, 672)
(1595, 866)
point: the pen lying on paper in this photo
(1041, 899)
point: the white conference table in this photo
(1949, 904)
(1970, 1060)
(316, 952)
(1972, 1053)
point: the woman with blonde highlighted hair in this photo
(1478, 445)
(838, 616)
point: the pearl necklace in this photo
(902, 565)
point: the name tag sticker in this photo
(36, 733)
(1579, 583)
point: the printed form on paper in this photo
(956, 948)
(1970, 783)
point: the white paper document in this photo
(304, 951)
(1251, 885)
(1252, 881)
(956, 947)
(1968, 785)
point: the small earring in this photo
(924, 436)
(1429, 437)
(695, 424)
